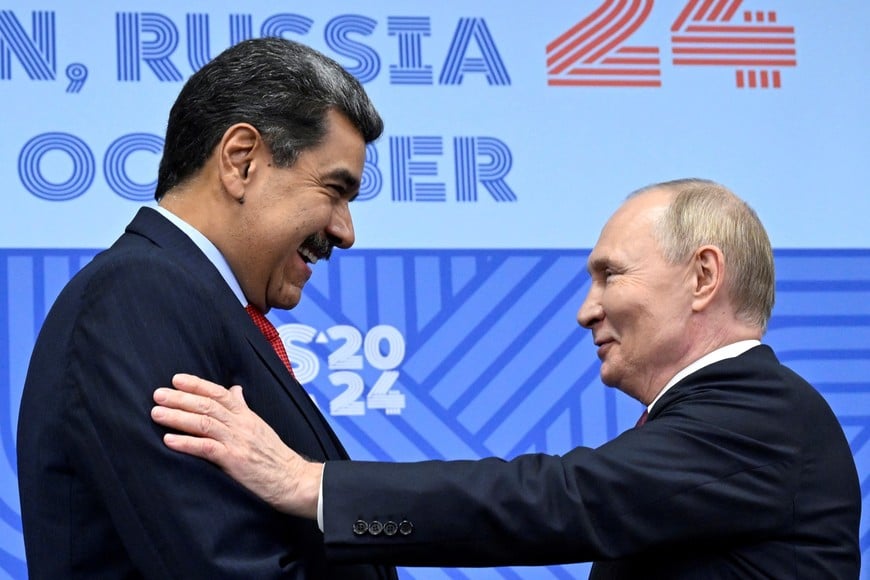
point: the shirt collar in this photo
(721, 353)
(209, 249)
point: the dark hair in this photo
(282, 88)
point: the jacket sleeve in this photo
(675, 478)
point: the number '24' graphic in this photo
(383, 348)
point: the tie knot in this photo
(642, 419)
(263, 323)
(271, 333)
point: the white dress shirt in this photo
(721, 353)
(209, 249)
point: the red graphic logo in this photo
(592, 52)
(706, 33)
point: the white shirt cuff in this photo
(320, 501)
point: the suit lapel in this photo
(331, 448)
(150, 224)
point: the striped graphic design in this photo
(593, 54)
(493, 363)
(719, 33)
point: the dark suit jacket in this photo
(741, 471)
(101, 496)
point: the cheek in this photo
(282, 226)
(619, 307)
(302, 220)
(633, 321)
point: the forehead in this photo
(628, 236)
(342, 149)
(342, 137)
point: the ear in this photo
(708, 276)
(237, 153)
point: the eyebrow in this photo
(600, 265)
(351, 183)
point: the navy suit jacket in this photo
(741, 471)
(101, 496)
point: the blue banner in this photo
(513, 131)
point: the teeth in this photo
(308, 255)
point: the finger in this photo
(200, 405)
(191, 423)
(196, 385)
(205, 448)
(238, 397)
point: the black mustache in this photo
(320, 245)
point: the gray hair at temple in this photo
(704, 212)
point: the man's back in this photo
(100, 494)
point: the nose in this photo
(591, 310)
(340, 227)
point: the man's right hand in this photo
(218, 426)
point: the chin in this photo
(608, 378)
(287, 300)
(287, 305)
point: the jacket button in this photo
(360, 527)
(391, 528)
(406, 527)
(376, 528)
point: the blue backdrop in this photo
(513, 131)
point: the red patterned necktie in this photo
(642, 419)
(271, 334)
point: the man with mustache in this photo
(264, 150)
(738, 468)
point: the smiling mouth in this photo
(603, 346)
(314, 248)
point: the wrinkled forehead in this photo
(630, 231)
